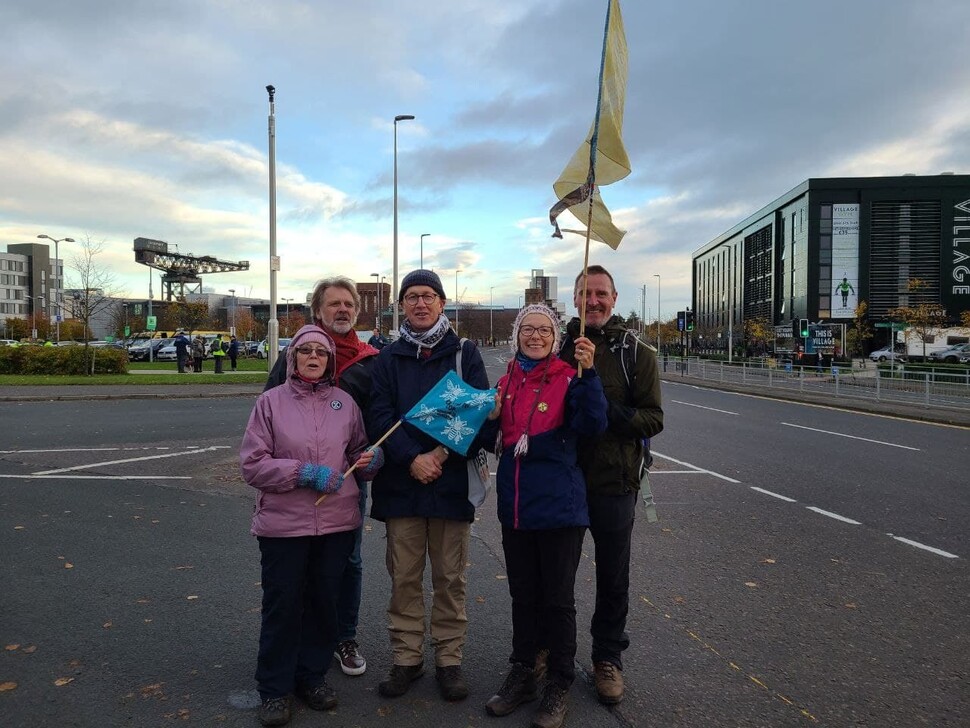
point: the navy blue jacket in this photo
(545, 487)
(399, 379)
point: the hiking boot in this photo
(519, 687)
(350, 659)
(399, 680)
(542, 664)
(450, 682)
(552, 709)
(275, 711)
(608, 679)
(321, 697)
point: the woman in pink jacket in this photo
(300, 440)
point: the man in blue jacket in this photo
(421, 494)
(181, 350)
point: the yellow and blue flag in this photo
(452, 412)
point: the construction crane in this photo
(180, 272)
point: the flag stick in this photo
(376, 444)
(582, 313)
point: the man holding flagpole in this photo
(422, 496)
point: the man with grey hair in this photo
(334, 305)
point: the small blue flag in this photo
(452, 412)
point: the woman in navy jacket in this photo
(542, 504)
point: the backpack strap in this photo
(459, 356)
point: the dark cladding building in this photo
(827, 244)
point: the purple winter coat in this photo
(295, 424)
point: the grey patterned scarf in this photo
(426, 339)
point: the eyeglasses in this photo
(544, 331)
(307, 350)
(428, 298)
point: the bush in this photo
(61, 360)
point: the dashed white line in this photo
(854, 437)
(917, 544)
(774, 495)
(836, 516)
(700, 406)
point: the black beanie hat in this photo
(421, 277)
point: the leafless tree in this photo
(94, 287)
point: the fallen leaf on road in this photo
(384, 712)
(501, 576)
(68, 565)
(850, 605)
(107, 625)
(183, 568)
(480, 600)
(4, 687)
(74, 663)
(193, 596)
(184, 713)
(752, 584)
(768, 561)
(11, 648)
(155, 520)
(152, 690)
(141, 601)
(679, 600)
(62, 681)
(19, 528)
(29, 650)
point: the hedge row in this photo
(62, 360)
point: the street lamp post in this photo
(423, 236)
(126, 329)
(726, 299)
(657, 276)
(399, 117)
(286, 316)
(456, 299)
(377, 300)
(491, 332)
(273, 325)
(57, 279)
(232, 326)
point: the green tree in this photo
(923, 318)
(860, 330)
(758, 332)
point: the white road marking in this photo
(854, 437)
(836, 516)
(132, 460)
(82, 449)
(700, 406)
(917, 544)
(672, 472)
(774, 495)
(696, 469)
(96, 477)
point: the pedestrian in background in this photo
(198, 353)
(233, 352)
(301, 438)
(377, 340)
(613, 464)
(544, 407)
(181, 350)
(218, 354)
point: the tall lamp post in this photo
(491, 333)
(232, 312)
(273, 325)
(657, 276)
(423, 236)
(377, 300)
(286, 316)
(456, 299)
(399, 117)
(725, 299)
(57, 279)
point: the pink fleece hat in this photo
(312, 334)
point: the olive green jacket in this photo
(613, 462)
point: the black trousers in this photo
(180, 360)
(541, 568)
(301, 583)
(611, 525)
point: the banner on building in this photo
(845, 260)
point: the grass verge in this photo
(134, 380)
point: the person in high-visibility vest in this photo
(218, 354)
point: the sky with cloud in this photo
(135, 118)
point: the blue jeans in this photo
(348, 601)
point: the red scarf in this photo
(350, 349)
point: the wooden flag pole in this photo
(351, 469)
(582, 311)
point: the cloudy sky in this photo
(128, 118)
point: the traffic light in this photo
(689, 321)
(803, 328)
(681, 321)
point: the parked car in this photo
(951, 355)
(139, 350)
(884, 354)
(166, 353)
(261, 349)
(249, 348)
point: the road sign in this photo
(151, 322)
(894, 325)
(127, 331)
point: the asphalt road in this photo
(131, 587)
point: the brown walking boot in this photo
(451, 683)
(552, 709)
(399, 680)
(519, 687)
(608, 679)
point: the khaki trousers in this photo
(409, 542)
